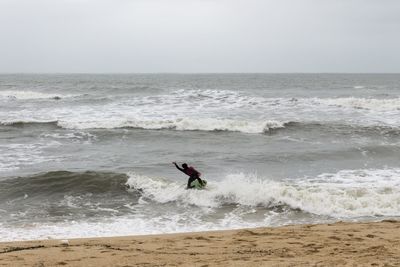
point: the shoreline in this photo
(341, 243)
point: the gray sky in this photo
(199, 36)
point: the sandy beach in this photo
(338, 244)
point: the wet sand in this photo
(338, 244)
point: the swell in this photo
(29, 123)
(342, 128)
(57, 184)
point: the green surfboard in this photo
(197, 185)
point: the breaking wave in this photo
(181, 124)
(346, 194)
(89, 204)
(212, 125)
(205, 110)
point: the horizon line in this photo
(184, 73)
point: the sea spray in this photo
(346, 194)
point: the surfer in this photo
(191, 172)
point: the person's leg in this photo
(191, 179)
(200, 181)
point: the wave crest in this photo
(60, 183)
(348, 193)
(180, 124)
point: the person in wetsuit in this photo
(191, 172)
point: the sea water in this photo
(90, 155)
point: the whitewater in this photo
(90, 155)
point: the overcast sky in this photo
(199, 36)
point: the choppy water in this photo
(90, 155)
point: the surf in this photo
(345, 194)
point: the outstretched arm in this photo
(176, 165)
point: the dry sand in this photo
(339, 244)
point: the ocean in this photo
(85, 155)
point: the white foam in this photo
(392, 104)
(26, 95)
(15, 156)
(180, 124)
(346, 194)
(117, 227)
(77, 137)
(210, 110)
